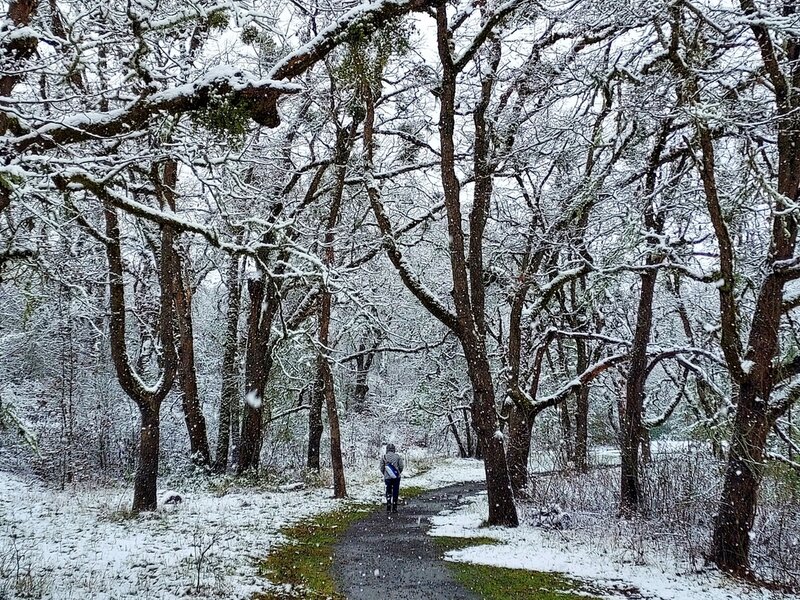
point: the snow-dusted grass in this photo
(605, 556)
(661, 554)
(83, 543)
(302, 565)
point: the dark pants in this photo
(392, 489)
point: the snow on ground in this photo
(81, 544)
(598, 557)
(446, 473)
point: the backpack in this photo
(390, 472)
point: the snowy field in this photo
(81, 544)
(603, 555)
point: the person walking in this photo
(391, 468)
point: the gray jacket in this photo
(394, 459)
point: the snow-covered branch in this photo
(258, 97)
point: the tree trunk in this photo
(498, 483)
(360, 390)
(345, 138)
(315, 425)
(520, 427)
(502, 510)
(631, 416)
(478, 449)
(229, 394)
(582, 413)
(15, 50)
(337, 463)
(754, 419)
(737, 509)
(647, 453)
(468, 293)
(148, 399)
(471, 450)
(144, 488)
(192, 411)
(250, 440)
(462, 451)
(631, 430)
(566, 433)
(363, 365)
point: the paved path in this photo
(391, 557)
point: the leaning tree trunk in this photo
(737, 508)
(462, 451)
(754, 419)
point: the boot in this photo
(394, 507)
(389, 506)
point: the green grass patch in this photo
(446, 543)
(499, 583)
(411, 491)
(305, 561)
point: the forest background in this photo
(231, 227)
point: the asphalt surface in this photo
(391, 557)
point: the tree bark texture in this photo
(166, 180)
(145, 482)
(258, 364)
(148, 400)
(520, 428)
(345, 139)
(631, 430)
(229, 394)
(631, 416)
(754, 414)
(315, 425)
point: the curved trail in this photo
(391, 557)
